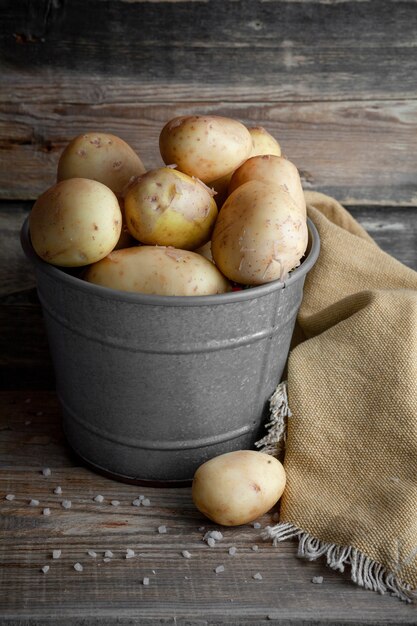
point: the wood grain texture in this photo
(287, 50)
(181, 591)
(359, 153)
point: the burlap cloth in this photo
(351, 445)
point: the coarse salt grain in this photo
(145, 581)
(92, 553)
(216, 535)
(66, 504)
(106, 559)
(219, 569)
(186, 554)
(10, 497)
(255, 548)
(317, 580)
(211, 542)
(46, 472)
(108, 554)
(45, 569)
(162, 530)
(202, 528)
(232, 550)
(46, 511)
(256, 525)
(115, 502)
(58, 490)
(257, 576)
(130, 553)
(78, 567)
(56, 554)
(99, 498)
(146, 502)
(34, 503)
(137, 502)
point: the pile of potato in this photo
(226, 208)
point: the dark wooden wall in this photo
(334, 80)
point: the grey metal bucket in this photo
(150, 387)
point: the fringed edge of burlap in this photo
(365, 572)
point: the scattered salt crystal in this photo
(162, 529)
(186, 554)
(256, 525)
(108, 554)
(34, 503)
(257, 576)
(46, 471)
(92, 553)
(232, 551)
(153, 571)
(56, 554)
(202, 528)
(67, 504)
(317, 580)
(216, 535)
(115, 502)
(45, 569)
(46, 511)
(145, 581)
(146, 502)
(137, 502)
(141, 497)
(211, 542)
(99, 498)
(219, 569)
(78, 567)
(58, 490)
(10, 497)
(130, 553)
(106, 559)
(255, 548)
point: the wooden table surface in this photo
(336, 82)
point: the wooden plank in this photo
(174, 50)
(181, 591)
(362, 153)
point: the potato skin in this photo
(237, 487)
(263, 142)
(205, 146)
(271, 169)
(158, 270)
(75, 222)
(102, 157)
(259, 235)
(168, 208)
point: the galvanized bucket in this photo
(152, 386)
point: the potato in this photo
(259, 235)
(263, 142)
(237, 487)
(102, 157)
(205, 146)
(271, 169)
(158, 270)
(168, 208)
(75, 222)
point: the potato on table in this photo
(237, 487)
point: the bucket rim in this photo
(60, 275)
